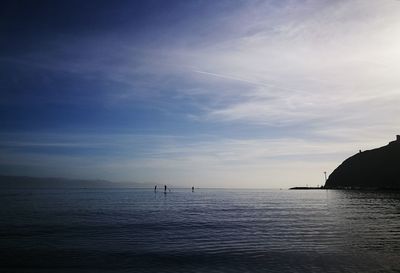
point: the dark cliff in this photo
(374, 169)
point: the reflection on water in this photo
(129, 230)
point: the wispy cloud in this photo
(180, 160)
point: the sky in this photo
(239, 94)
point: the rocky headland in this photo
(377, 169)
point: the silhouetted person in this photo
(155, 188)
(165, 188)
(192, 188)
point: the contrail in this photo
(244, 80)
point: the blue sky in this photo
(226, 94)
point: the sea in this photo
(208, 230)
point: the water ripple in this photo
(129, 230)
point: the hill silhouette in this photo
(373, 169)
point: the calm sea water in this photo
(131, 230)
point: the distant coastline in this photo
(8, 181)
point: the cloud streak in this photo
(180, 160)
